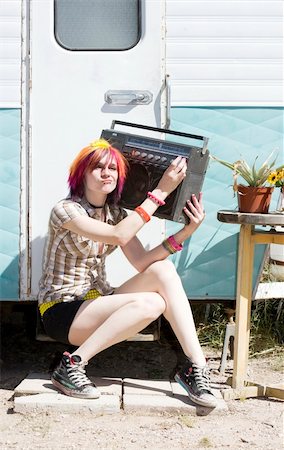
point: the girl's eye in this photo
(102, 167)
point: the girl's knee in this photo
(163, 269)
(152, 305)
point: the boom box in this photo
(148, 158)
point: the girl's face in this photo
(103, 178)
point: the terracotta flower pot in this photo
(254, 199)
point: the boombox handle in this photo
(162, 130)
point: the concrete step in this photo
(39, 383)
(135, 396)
(106, 404)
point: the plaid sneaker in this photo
(70, 378)
(195, 380)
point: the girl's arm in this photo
(125, 230)
(141, 258)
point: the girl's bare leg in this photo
(103, 322)
(162, 278)
(106, 321)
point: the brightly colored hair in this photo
(88, 159)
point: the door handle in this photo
(128, 97)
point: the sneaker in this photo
(195, 380)
(70, 378)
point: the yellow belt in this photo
(91, 295)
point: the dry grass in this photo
(267, 326)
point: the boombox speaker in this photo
(148, 158)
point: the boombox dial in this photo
(146, 156)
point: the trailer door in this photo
(92, 61)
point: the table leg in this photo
(243, 305)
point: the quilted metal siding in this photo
(208, 263)
(9, 202)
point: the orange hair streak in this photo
(88, 159)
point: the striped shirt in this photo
(72, 264)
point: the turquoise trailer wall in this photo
(207, 265)
(9, 203)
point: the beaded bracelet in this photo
(171, 245)
(142, 213)
(155, 199)
(168, 247)
(178, 247)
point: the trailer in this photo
(68, 68)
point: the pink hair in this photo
(88, 159)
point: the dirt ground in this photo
(250, 424)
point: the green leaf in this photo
(252, 175)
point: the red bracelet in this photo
(175, 244)
(142, 213)
(155, 199)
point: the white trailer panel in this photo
(225, 52)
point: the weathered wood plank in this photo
(250, 219)
(243, 306)
(244, 392)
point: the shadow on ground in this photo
(21, 353)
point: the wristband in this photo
(168, 247)
(155, 199)
(142, 213)
(178, 247)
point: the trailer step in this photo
(150, 333)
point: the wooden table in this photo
(249, 237)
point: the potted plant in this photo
(255, 196)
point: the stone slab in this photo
(39, 383)
(163, 404)
(179, 392)
(36, 392)
(108, 386)
(177, 389)
(106, 404)
(218, 394)
(35, 383)
(133, 386)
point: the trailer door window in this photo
(97, 24)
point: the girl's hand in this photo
(173, 175)
(194, 210)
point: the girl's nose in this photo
(105, 171)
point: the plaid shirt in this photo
(72, 263)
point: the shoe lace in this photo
(201, 377)
(77, 374)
